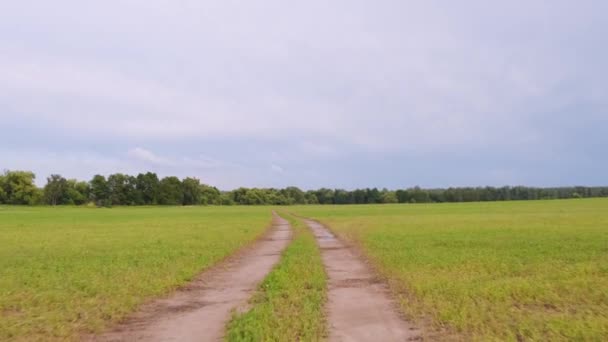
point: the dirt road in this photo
(200, 311)
(359, 307)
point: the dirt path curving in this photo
(359, 307)
(200, 311)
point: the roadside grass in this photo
(535, 270)
(65, 271)
(289, 303)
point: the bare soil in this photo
(200, 310)
(359, 306)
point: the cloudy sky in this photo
(342, 93)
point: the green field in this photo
(535, 270)
(289, 303)
(65, 271)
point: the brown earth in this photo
(200, 310)
(359, 306)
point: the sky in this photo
(316, 93)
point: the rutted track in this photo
(200, 311)
(359, 307)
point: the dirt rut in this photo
(200, 310)
(359, 307)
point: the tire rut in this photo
(200, 310)
(359, 306)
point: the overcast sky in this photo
(308, 93)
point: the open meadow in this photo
(534, 270)
(66, 271)
(529, 270)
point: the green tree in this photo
(3, 195)
(418, 195)
(56, 190)
(276, 197)
(191, 188)
(325, 196)
(100, 191)
(373, 196)
(147, 186)
(389, 197)
(170, 191)
(77, 192)
(238, 195)
(210, 195)
(342, 197)
(311, 198)
(294, 195)
(255, 197)
(121, 189)
(226, 198)
(359, 196)
(18, 188)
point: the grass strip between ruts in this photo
(289, 303)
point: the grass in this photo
(289, 303)
(65, 271)
(534, 270)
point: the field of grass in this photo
(535, 270)
(64, 271)
(289, 303)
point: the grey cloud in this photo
(416, 82)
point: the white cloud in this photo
(147, 156)
(276, 168)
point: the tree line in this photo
(18, 187)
